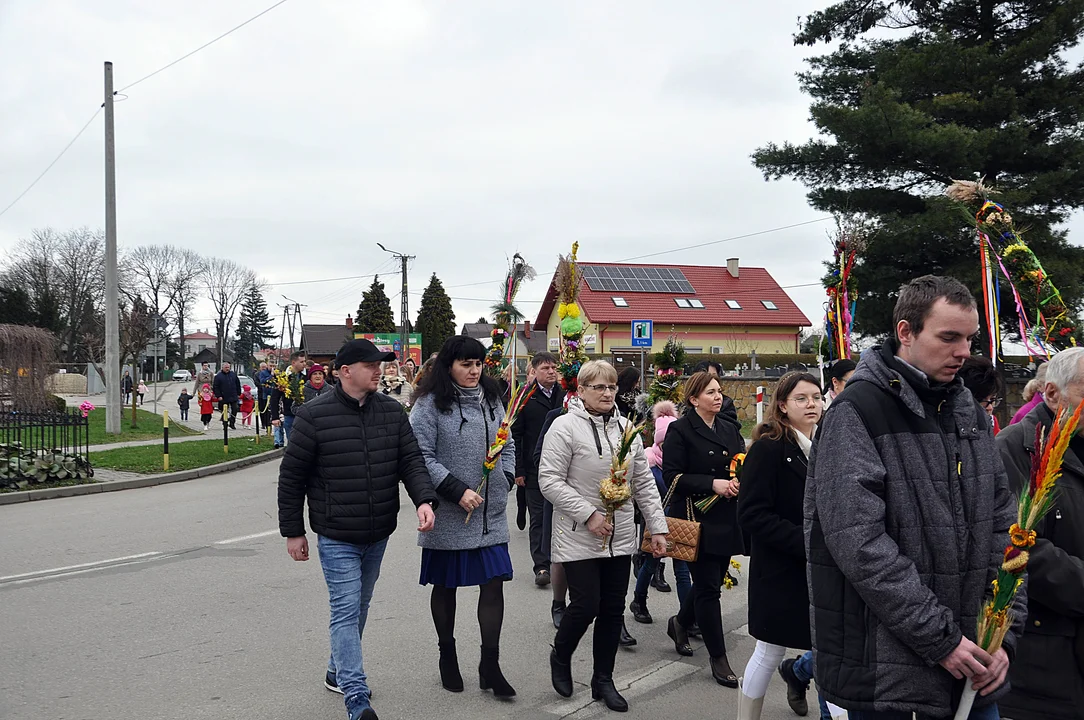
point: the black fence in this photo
(64, 431)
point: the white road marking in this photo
(82, 568)
(242, 538)
(631, 685)
(81, 565)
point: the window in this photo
(682, 302)
(768, 305)
(733, 304)
(696, 303)
(694, 350)
(619, 301)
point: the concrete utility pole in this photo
(404, 307)
(112, 305)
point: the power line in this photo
(54, 162)
(736, 237)
(202, 47)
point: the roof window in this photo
(620, 301)
(682, 302)
(769, 305)
(696, 303)
(733, 304)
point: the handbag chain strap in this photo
(670, 496)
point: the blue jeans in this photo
(282, 431)
(351, 572)
(985, 713)
(803, 670)
(682, 578)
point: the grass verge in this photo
(182, 456)
(148, 427)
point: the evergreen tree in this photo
(436, 321)
(254, 327)
(47, 310)
(918, 94)
(374, 312)
(15, 306)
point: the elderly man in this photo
(227, 388)
(1047, 677)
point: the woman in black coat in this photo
(770, 510)
(696, 457)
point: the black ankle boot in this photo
(561, 675)
(658, 581)
(490, 676)
(640, 613)
(602, 688)
(625, 639)
(450, 676)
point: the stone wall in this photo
(67, 384)
(744, 393)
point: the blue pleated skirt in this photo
(464, 568)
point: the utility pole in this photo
(112, 303)
(404, 307)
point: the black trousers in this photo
(535, 502)
(596, 590)
(233, 406)
(702, 604)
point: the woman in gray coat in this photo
(576, 454)
(456, 415)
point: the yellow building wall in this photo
(731, 340)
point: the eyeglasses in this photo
(991, 402)
(806, 400)
(602, 388)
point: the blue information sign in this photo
(641, 333)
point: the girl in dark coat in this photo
(696, 457)
(770, 510)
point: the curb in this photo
(140, 482)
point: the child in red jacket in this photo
(247, 404)
(206, 405)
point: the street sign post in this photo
(641, 333)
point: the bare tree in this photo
(227, 283)
(150, 268)
(184, 290)
(64, 273)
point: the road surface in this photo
(180, 602)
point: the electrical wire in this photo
(54, 162)
(201, 47)
(736, 237)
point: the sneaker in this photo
(796, 689)
(330, 684)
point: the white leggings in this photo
(760, 668)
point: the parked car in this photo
(182, 376)
(246, 380)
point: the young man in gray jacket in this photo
(907, 514)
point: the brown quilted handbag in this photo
(683, 536)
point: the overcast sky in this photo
(459, 132)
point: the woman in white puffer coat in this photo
(575, 458)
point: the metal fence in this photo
(45, 432)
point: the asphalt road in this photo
(180, 601)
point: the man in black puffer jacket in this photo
(348, 451)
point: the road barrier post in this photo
(165, 441)
(760, 404)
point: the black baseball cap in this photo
(361, 350)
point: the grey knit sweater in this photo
(451, 445)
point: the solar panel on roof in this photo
(636, 279)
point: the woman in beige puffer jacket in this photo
(575, 458)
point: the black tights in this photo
(490, 612)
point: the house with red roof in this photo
(727, 310)
(197, 342)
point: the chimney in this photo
(526, 328)
(349, 323)
(732, 267)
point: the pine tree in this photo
(254, 327)
(15, 306)
(374, 312)
(436, 321)
(918, 94)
